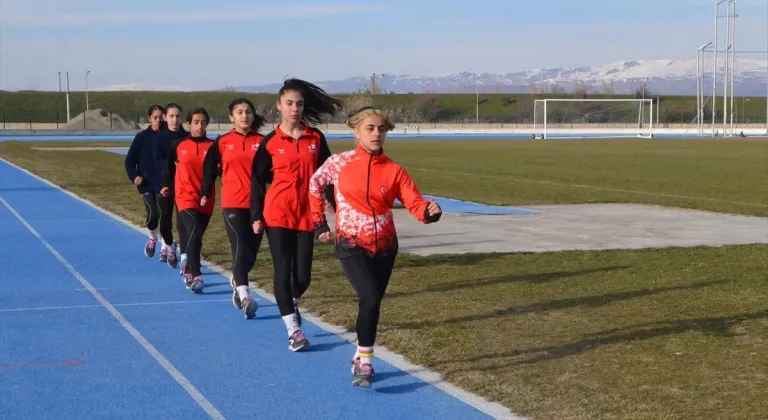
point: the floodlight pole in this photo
(727, 60)
(68, 111)
(87, 105)
(700, 87)
(733, 61)
(477, 101)
(714, 66)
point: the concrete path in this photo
(578, 227)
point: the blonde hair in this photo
(356, 117)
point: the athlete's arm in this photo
(210, 169)
(408, 194)
(260, 175)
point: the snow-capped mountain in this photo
(660, 76)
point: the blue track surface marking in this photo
(120, 150)
(92, 325)
(449, 205)
(467, 208)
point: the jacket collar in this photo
(363, 153)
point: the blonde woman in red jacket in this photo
(366, 183)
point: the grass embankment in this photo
(48, 107)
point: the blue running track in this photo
(90, 327)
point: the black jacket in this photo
(140, 161)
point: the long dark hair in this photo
(258, 120)
(173, 105)
(154, 108)
(316, 101)
(195, 111)
(168, 107)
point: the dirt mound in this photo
(98, 119)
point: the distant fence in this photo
(34, 120)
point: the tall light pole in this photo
(59, 82)
(86, 91)
(68, 114)
(477, 100)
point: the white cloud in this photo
(30, 19)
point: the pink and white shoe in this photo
(149, 249)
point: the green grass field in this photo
(678, 333)
(49, 107)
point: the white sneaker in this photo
(235, 297)
(182, 264)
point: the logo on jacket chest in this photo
(255, 147)
(312, 148)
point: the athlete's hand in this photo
(164, 191)
(203, 201)
(138, 180)
(257, 227)
(325, 237)
(434, 208)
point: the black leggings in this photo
(369, 277)
(292, 261)
(242, 241)
(165, 216)
(150, 209)
(159, 211)
(192, 226)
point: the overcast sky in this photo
(207, 44)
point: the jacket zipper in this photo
(368, 200)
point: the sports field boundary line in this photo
(179, 377)
(493, 409)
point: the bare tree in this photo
(642, 92)
(579, 89)
(358, 100)
(426, 107)
(605, 89)
(373, 87)
(268, 111)
(556, 89)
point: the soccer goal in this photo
(570, 118)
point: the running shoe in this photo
(297, 341)
(249, 307)
(362, 374)
(149, 249)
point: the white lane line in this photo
(162, 360)
(50, 308)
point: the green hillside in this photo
(493, 108)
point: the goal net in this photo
(565, 118)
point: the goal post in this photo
(574, 118)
